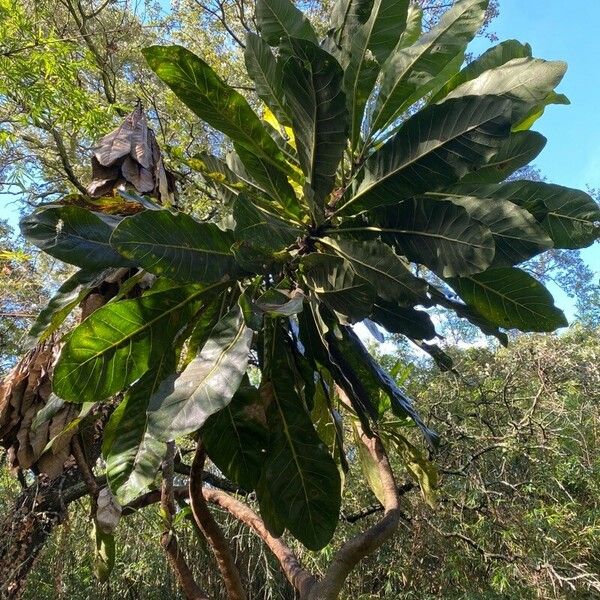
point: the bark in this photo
(299, 577)
(212, 532)
(37, 511)
(168, 541)
(364, 544)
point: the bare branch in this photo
(301, 579)
(168, 540)
(364, 544)
(211, 530)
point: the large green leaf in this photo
(183, 402)
(381, 267)
(510, 298)
(346, 17)
(74, 235)
(120, 341)
(236, 437)
(438, 234)
(321, 350)
(538, 110)
(336, 284)
(525, 81)
(466, 312)
(68, 296)
(278, 20)
(570, 217)
(215, 171)
(272, 181)
(312, 81)
(494, 57)
(299, 472)
(409, 73)
(371, 44)
(267, 73)
(433, 149)
(363, 371)
(176, 246)
(516, 234)
(201, 89)
(415, 324)
(132, 456)
(516, 152)
(262, 229)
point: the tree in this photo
(377, 157)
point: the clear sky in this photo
(567, 30)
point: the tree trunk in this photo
(23, 533)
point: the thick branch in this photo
(211, 530)
(364, 544)
(168, 540)
(301, 579)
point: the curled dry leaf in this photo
(129, 156)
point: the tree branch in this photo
(211, 530)
(168, 540)
(353, 551)
(300, 578)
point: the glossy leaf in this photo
(319, 336)
(413, 323)
(312, 81)
(259, 228)
(570, 217)
(516, 152)
(433, 149)
(409, 73)
(197, 85)
(525, 81)
(236, 437)
(381, 267)
(299, 472)
(176, 246)
(438, 234)
(267, 73)
(132, 456)
(69, 295)
(74, 235)
(279, 20)
(510, 298)
(120, 341)
(517, 235)
(184, 401)
(336, 284)
(366, 371)
(271, 180)
(371, 44)
(494, 57)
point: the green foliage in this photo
(517, 505)
(331, 214)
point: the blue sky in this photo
(566, 30)
(556, 29)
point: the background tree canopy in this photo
(355, 167)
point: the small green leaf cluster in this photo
(377, 157)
